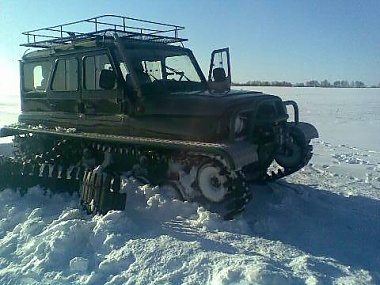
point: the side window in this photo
(65, 75)
(153, 69)
(36, 75)
(93, 66)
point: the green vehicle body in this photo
(144, 90)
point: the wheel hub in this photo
(291, 155)
(211, 183)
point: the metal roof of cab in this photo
(101, 29)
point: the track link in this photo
(100, 192)
(14, 174)
(236, 197)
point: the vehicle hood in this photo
(205, 103)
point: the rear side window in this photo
(36, 75)
(93, 66)
(65, 76)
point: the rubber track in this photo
(238, 195)
(237, 154)
(101, 192)
(96, 194)
(16, 175)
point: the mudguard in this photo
(309, 131)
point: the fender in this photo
(309, 131)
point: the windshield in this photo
(162, 70)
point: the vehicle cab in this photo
(115, 75)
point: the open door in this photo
(101, 95)
(219, 76)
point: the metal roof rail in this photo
(101, 26)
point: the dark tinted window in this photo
(66, 75)
(93, 66)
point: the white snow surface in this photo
(318, 226)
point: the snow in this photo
(318, 226)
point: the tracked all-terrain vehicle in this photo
(110, 97)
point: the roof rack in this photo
(101, 27)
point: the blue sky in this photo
(295, 40)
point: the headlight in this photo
(239, 124)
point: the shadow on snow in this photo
(319, 222)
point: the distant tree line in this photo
(310, 83)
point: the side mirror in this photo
(219, 76)
(107, 79)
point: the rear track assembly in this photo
(96, 171)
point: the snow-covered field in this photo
(318, 226)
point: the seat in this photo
(219, 74)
